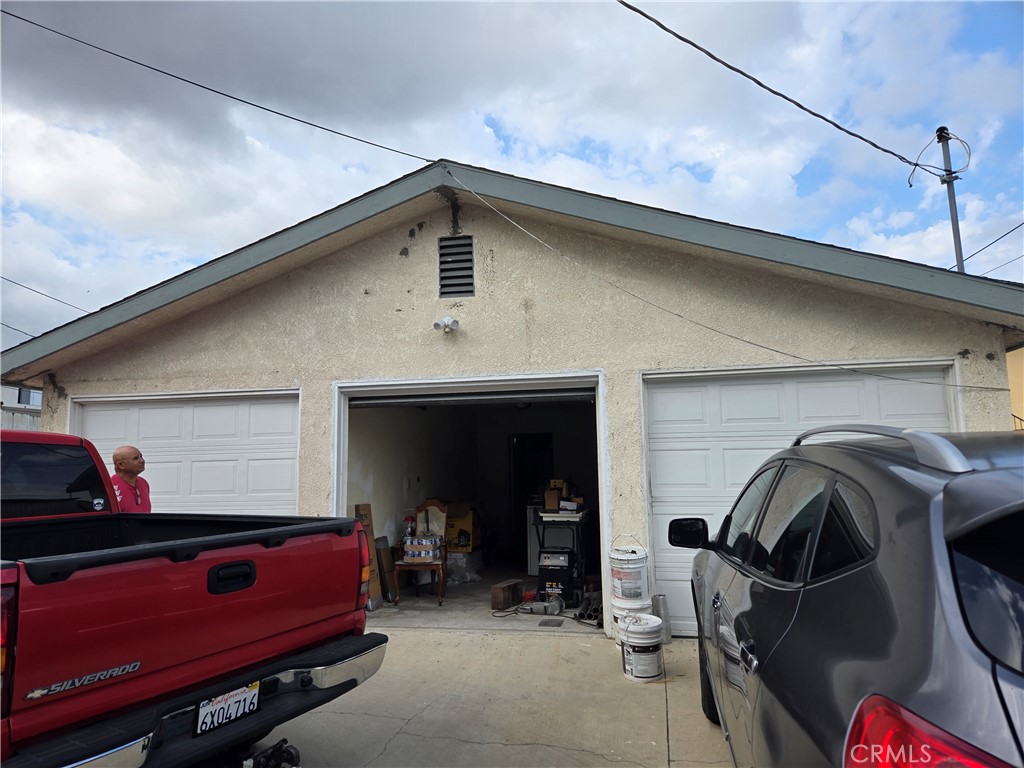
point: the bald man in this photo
(132, 491)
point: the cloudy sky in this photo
(116, 177)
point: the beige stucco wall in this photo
(367, 314)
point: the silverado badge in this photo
(78, 682)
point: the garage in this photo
(492, 444)
(647, 358)
(706, 434)
(234, 453)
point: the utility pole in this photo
(942, 136)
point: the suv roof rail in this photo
(931, 449)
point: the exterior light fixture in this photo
(446, 325)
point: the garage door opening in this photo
(496, 451)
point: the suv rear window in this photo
(989, 574)
(38, 479)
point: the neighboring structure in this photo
(465, 334)
(1015, 368)
(21, 408)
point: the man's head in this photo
(128, 461)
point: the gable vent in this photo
(456, 256)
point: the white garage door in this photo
(218, 454)
(706, 436)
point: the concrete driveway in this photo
(515, 695)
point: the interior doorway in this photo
(531, 459)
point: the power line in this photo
(17, 330)
(794, 102)
(427, 160)
(1003, 265)
(699, 324)
(214, 90)
(990, 244)
(44, 294)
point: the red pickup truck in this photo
(163, 639)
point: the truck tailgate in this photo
(113, 636)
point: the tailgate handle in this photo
(231, 577)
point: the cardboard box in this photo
(462, 528)
(421, 549)
(551, 498)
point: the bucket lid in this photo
(641, 624)
(633, 608)
(625, 553)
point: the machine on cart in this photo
(560, 569)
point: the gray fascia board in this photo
(780, 249)
(468, 180)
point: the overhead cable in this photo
(216, 91)
(1004, 265)
(927, 168)
(946, 175)
(17, 330)
(54, 298)
(691, 320)
(990, 244)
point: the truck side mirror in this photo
(689, 532)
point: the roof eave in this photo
(30, 360)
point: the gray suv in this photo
(863, 602)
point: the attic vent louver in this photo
(456, 259)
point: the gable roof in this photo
(989, 300)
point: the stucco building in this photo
(649, 358)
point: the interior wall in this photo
(399, 457)
(573, 428)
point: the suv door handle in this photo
(716, 603)
(747, 658)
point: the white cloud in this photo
(111, 169)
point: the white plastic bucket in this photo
(629, 575)
(622, 609)
(642, 657)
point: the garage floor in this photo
(468, 606)
(460, 687)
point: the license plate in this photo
(226, 708)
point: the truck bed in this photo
(163, 639)
(115, 609)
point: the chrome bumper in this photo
(359, 668)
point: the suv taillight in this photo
(364, 568)
(6, 646)
(885, 735)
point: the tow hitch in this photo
(279, 755)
